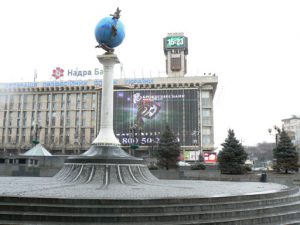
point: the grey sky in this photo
(252, 45)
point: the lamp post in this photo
(276, 135)
(36, 128)
(196, 134)
(135, 145)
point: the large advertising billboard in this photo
(140, 116)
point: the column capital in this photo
(108, 59)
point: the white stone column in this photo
(106, 136)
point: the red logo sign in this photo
(58, 73)
(210, 157)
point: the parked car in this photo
(259, 169)
(183, 163)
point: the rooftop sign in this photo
(72, 83)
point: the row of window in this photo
(43, 101)
(79, 136)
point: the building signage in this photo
(83, 73)
(71, 83)
(58, 72)
(210, 157)
(175, 42)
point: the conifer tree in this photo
(232, 157)
(285, 154)
(168, 149)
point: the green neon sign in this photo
(175, 42)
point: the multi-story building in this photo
(292, 126)
(65, 115)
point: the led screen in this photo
(140, 116)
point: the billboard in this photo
(191, 155)
(140, 116)
(210, 157)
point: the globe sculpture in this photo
(110, 32)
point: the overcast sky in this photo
(252, 45)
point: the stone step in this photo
(78, 208)
(241, 214)
(166, 201)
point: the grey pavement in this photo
(50, 187)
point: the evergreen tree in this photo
(233, 156)
(285, 154)
(168, 150)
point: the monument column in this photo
(105, 162)
(106, 136)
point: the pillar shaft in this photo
(106, 136)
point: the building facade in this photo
(292, 126)
(64, 116)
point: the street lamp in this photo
(276, 135)
(196, 134)
(36, 128)
(133, 131)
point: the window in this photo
(77, 101)
(52, 135)
(61, 135)
(63, 102)
(84, 118)
(49, 102)
(39, 102)
(83, 136)
(92, 136)
(68, 101)
(206, 121)
(77, 119)
(206, 140)
(94, 99)
(46, 136)
(19, 119)
(206, 101)
(11, 102)
(67, 136)
(53, 117)
(206, 131)
(54, 106)
(62, 118)
(24, 119)
(68, 119)
(206, 112)
(76, 136)
(32, 118)
(205, 94)
(93, 118)
(10, 119)
(85, 101)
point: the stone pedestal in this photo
(106, 162)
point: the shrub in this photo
(198, 166)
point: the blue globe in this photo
(110, 32)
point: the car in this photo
(183, 163)
(259, 169)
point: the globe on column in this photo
(110, 32)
